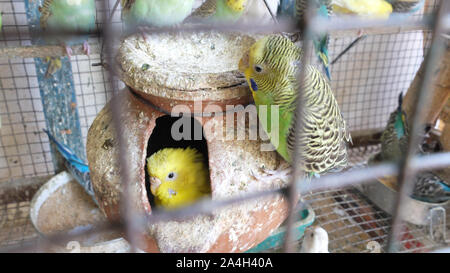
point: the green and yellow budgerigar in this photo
(70, 16)
(219, 11)
(159, 13)
(271, 67)
(178, 177)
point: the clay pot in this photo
(235, 228)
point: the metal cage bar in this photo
(132, 221)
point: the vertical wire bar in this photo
(126, 203)
(292, 193)
(274, 18)
(110, 17)
(422, 101)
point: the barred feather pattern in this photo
(324, 135)
(323, 140)
(300, 7)
(126, 7)
(127, 4)
(405, 6)
(430, 188)
(207, 9)
(283, 59)
(45, 13)
(393, 147)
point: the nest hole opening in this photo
(161, 138)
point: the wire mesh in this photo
(15, 224)
(366, 82)
(25, 150)
(353, 222)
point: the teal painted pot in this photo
(305, 218)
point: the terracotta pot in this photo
(235, 228)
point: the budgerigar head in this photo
(236, 5)
(173, 168)
(270, 63)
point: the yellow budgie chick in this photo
(178, 177)
(374, 9)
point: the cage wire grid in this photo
(366, 84)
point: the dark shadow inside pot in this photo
(175, 132)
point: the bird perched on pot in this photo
(76, 166)
(429, 187)
(322, 8)
(271, 68)
(315, 240)
(178, 177)
(70, 16)
(158, 13)
(219, 11)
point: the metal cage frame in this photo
(406, 169)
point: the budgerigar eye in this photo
(171, 176)
(258, 68)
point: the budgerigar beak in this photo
(154, 184)
(243, 63)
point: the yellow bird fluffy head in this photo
(236, 5)
(178, 176)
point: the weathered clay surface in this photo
(232, 229)
(204, 65)
(197, 72)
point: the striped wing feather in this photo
(208, 8)
(324, 135)
(45, 13)
(392, 147)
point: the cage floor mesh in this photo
(366, 82)
(352, 221)
(15, 224)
